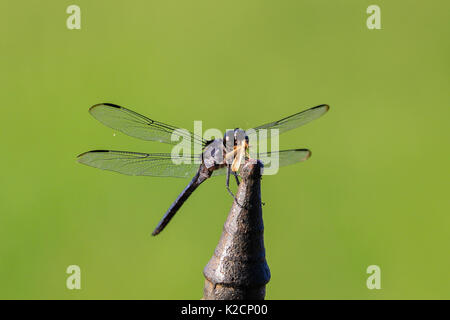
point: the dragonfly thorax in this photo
(214, 153)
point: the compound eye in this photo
(239, 135)
(228, 136)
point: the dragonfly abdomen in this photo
(202, 174)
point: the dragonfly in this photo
(218, 157)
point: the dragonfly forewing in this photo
(138, 126)
(293, 121)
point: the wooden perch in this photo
(238, 269)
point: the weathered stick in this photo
(238, 269)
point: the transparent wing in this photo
(296, 120)
(139, 126)
(140, 164)
(285, 158)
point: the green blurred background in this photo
(374, 192)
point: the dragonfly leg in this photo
(228, 186)
(237, 178)
(228, 181)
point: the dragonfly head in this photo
(234, 138)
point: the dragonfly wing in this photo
(285, 157)
(296, 120)
(139, 126)
(141, 164)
